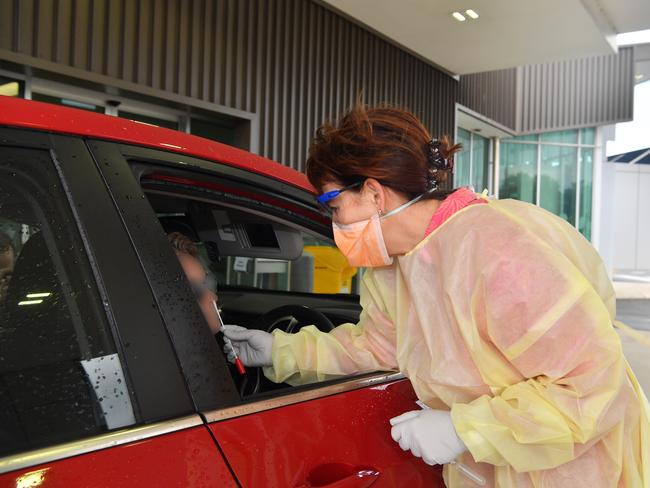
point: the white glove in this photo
(252, 346)
(428, 434)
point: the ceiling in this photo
(507, 33)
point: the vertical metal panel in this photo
(492, 94)
(114, 38)
(206, 41)
(62, 24)
(541, 97)
(97, 51)
(600, 87)
(159, 44)
(128, 38)
(80, 33)
(7, 26)
(196, 47)
(292, 62)
(25, 25)
(44, 35)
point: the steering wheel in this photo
(290, 318)
(295, 317)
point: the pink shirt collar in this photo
(458, 200)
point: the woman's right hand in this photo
(252, 346)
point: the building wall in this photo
(291, 63)
(491, 94)
(631, 214)
(585, 92)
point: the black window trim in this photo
(199, 358)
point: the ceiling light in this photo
(471, 13)
(458, 16)
(39, 295)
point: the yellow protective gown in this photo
(502, 315)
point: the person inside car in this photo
(187, 253)
(7, 260)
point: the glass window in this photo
(586, 187)
(588, 136)
(60, 376)
(145, 119)
(462, 165)
(11, 88)
(480, 154)
(517, 176)
(213, 130)
(471, 164)
(558, 181)
(563, 136)
(39, 97)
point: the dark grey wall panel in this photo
(577, 93)
(492, 94)
(552, 96)
(292, 62)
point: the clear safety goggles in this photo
(326, 197)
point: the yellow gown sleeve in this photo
(311, 355)
(550, 325)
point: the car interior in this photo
(268, 273)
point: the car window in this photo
(268, 260)
(60, 376)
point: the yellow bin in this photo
(332, 273)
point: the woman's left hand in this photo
(429, 434)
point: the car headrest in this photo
(43, 325)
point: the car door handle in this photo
(340, 475)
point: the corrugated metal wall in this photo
(577, 93)
(292, 62)
(491, 94)
(584, 92)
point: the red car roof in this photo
(17, 112)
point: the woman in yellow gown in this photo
(498, 312)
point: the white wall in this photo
(631, 217)
(643, 240)
(603, 213)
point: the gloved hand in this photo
(429, 434)
(252, 346)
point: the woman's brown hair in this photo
(387, 143)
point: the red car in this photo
(109, 375)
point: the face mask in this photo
(362, 243)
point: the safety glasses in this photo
(323, 198)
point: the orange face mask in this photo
(362, 243)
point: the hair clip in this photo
(436, 159)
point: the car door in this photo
(332, 434)
(90, 389)
(335, 435)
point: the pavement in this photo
(633, 309)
